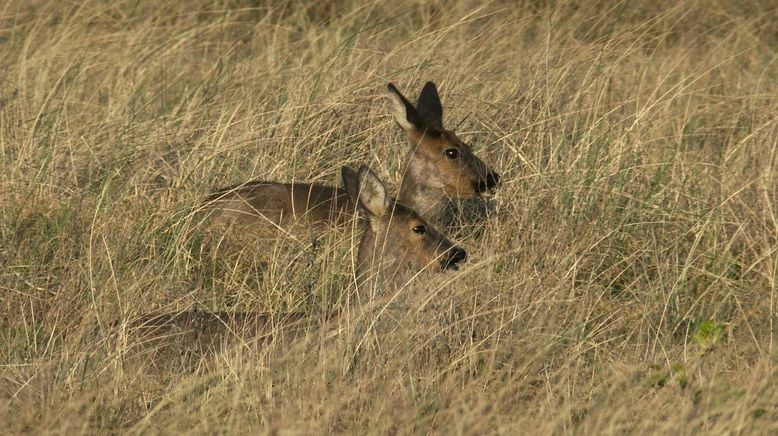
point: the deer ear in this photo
(351, 184)
(404, 112)
(372, 193)
(429, 106)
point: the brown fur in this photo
(431, 179)
(389, 238)
(268, 204)
(203, 330)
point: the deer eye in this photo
(452, 153)
(420, 229)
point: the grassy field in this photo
(627, 281)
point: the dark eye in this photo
(452, 153)
(420, 229)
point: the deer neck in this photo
(421, 191)
(376, 271)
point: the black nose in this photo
(492, 180)
(455, 255)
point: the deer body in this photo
(259, 204)
(395, 237)
(395, 240)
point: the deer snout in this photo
(492, 180)
(488, 184)
(455, 255)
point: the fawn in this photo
(395, 239)
(439, 167)
(394, 235)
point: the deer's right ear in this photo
(404, 112)
(372, 194)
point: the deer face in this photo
(394, 231)
(438, 158)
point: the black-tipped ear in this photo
(404, 112)
(429, 106)
(351, 184)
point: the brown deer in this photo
(394, 237)
(395, 240)
(438, 167)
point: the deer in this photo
(394, 235)
(438, 167)
(395, 240)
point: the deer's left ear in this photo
(429, 106)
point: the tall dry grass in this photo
(626, 282)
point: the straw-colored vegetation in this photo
(626, 281)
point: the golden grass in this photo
(626, 284)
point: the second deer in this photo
(395, 240)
